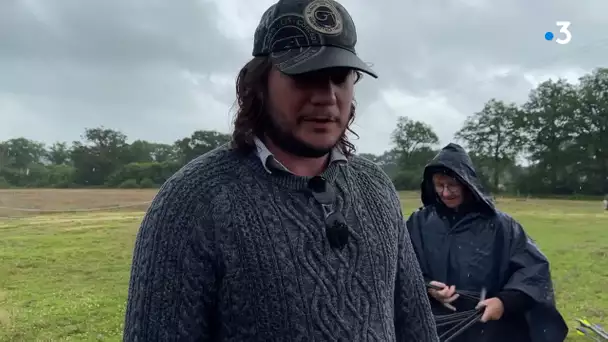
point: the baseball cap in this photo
(302, 36)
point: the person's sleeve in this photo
(529, 273)
(414, 319)
(529, 281)
(173, 282)
(515, 302)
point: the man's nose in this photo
(324, 94)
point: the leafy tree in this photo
(410, 135)
(548, 123)
(592, 131)
(413, 142)
(58, 153)
(492, 135)
(200, 142)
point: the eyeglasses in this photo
(452, 188)
(336, 229)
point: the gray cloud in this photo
(159, 69)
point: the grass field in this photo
(64, 276)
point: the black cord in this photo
(461, 327)
(449, 319)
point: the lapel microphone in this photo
(336, 230)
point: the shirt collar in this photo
(271, 163)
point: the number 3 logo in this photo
(564, 25)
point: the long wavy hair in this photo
(251, 114)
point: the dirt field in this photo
(16, 203)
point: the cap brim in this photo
(300, 61)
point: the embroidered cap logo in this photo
(324, 17)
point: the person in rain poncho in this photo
(464, 243)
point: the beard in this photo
(288, 142)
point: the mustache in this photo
(319, 117)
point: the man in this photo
(464, 244)
(284, 235)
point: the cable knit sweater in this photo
(229, 252)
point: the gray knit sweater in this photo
(229, 252)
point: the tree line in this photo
(556, 143)
(103, 158)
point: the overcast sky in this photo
(159, 69)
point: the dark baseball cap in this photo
(302, 36)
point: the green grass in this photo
(65, 277)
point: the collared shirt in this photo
(271, 163)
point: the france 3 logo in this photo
(564, 30)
